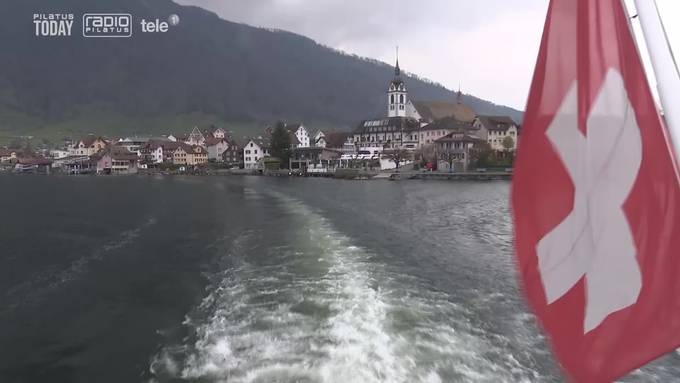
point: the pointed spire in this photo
(459, 95)
(397, 71)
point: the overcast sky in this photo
(488, 46)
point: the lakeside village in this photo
(446, 138)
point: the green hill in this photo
(204, 71)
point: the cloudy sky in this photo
(488, 46)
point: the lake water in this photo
(253, 279)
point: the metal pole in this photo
(665, 68)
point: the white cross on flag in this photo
(596, 198)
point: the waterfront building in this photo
(315, 159)
(116, 159)
(437, 129)
(216, 146)
(233, 155)
(387, 133)
(453, 151)
(39, 165)
(495, 129)
(88, 146)
(254, 151)
(189, 155)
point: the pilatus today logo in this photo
(53, 24)
(107, 25)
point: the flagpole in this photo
(665, 67)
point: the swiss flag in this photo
(596, 199)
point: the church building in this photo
(411, 124)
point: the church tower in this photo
(397, 97)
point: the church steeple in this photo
(396, 93)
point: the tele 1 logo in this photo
(156, 26)
(107, 25)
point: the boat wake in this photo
(318, 308)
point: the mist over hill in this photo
(203, 71)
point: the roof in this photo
(195, 149)
(449, 123)
(89, 140)
(166, 145)
(336, 139)
(260, 141)
(211, 141)
(117, 153)
(458, 137)
(387, 124)
(435, 110)
(500, 123)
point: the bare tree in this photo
(449, 155)
(398, 156)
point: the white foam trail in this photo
(353, 322)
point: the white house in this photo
(254, 151)
(301, 133)
(216, 146)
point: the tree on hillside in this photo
(397, 156)
(508, 143)
(281, 144)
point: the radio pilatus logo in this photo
(107, 25)
(53, 24)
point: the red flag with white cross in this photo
(596, 198)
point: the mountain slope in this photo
(205, 70)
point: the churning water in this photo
(273, 280)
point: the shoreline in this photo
(354, 175)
